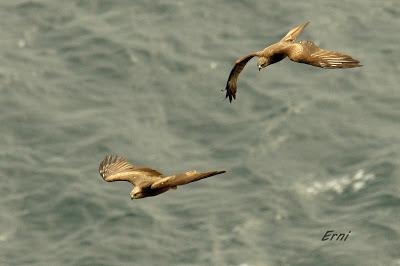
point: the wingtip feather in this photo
(230, 93)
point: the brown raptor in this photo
(305, 52)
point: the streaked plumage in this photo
(305, 52)
(147, 182)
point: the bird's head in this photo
(136, 193)
(262, 62)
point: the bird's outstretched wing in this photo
(182, 179)
(115, 168)
(231, 84)
(293, 33)
(313, 55)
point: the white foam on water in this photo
(213, 65)
(354, 182)
(3, 237)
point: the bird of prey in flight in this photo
(305, 52)
(146, 182)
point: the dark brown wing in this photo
(231, 84)
(182, 179)
(313, 55)
(115, 168)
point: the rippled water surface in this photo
(306, 150)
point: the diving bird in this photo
(146, 182)
(305, 52)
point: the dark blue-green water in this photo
(306, 150)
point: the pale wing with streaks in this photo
(311, 54)
(115, 168)
(294, 33)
